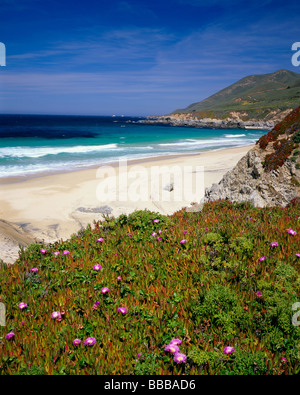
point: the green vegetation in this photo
(211, 279)
(256, 95)
(283, 148)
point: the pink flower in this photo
(185, 232)
(183, 241)
(95, 305)
(76, 342)
(97, 267)
(160, 231)
(159, 238)
(56, 315)
(43, 251)
(228, 350)
(283, 359)
(10, 335)
(179, 358)
(22, 305)
(119, 278)
(139, 355)
(274, 244)
(298, 255)
(34, 270)
(90, 341)
(105, 290)
(262, 258)
(122, 310)
(154, 234)
(292, 232)
(99, 240)
(156, 221)
(66, 252)
(56, 253)
(206, 229)
(176, 341)
(259, 294)
(173, 348)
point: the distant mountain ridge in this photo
(252, 97)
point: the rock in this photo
(250, 182)
(169, 187)
(100, 210)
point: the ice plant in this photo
(56, 253)
(97, 267)
(66, 252)
(259, 294)
(173, 348)
(262, 258)
(22, 305)
(104, 290)
(274, 244)
(176, 341)
(43, 251)
(159, 238)
(90, 341)
(179, 358)
(122, 310)
(292, 232)
(34, 270)
(95, 305)
(297, 254)
(183, 241)
(139, 355)
(76, 342)
(156, 221)
(56, 315)
(119, 278)
(99, 240)
(228, 350)
(10, 335)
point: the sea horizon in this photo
(32, 145)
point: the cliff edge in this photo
(269, 174)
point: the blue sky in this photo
(136, 57)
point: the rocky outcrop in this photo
(236, 120)
(269, 174)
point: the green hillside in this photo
(255, 94)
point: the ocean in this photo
(35, 144)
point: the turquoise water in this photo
(33, 144)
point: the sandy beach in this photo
(52, 207)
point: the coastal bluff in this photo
(269, 174)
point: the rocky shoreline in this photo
(209, 123)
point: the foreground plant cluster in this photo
(194, 293)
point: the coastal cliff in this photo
(269, 174)
(235, 120)
(256, 101)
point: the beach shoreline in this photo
(52, 207)
(113, 163)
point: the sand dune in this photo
(11, 237)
